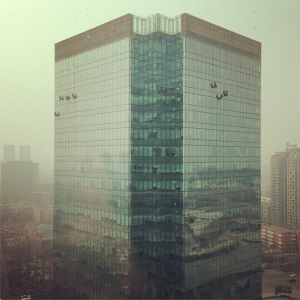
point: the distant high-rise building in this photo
(8, 153)
(24, 153)
(285, 188)
(157, 162)
(18, 180)
(293, 188)
(278, 188)
(266, 211)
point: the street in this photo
(271, 278)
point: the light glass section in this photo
(92, 161)
(221, 169)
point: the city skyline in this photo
(26, 61)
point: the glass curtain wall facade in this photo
(157, 165)
(157, 183)
(92, 157)
(221, 165)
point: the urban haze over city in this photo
(150, 149)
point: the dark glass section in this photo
(157, 249)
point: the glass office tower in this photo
(157, 162)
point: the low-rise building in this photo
(41, 199)
(278, 238)
(25, 212)
(43, 215)
(39, 242)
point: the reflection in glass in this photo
(157, 183)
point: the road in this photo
(272, 278)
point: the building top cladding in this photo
(128, 25)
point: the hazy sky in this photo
(29, 29)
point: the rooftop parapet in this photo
(185, 24)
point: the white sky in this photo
(29, 29)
